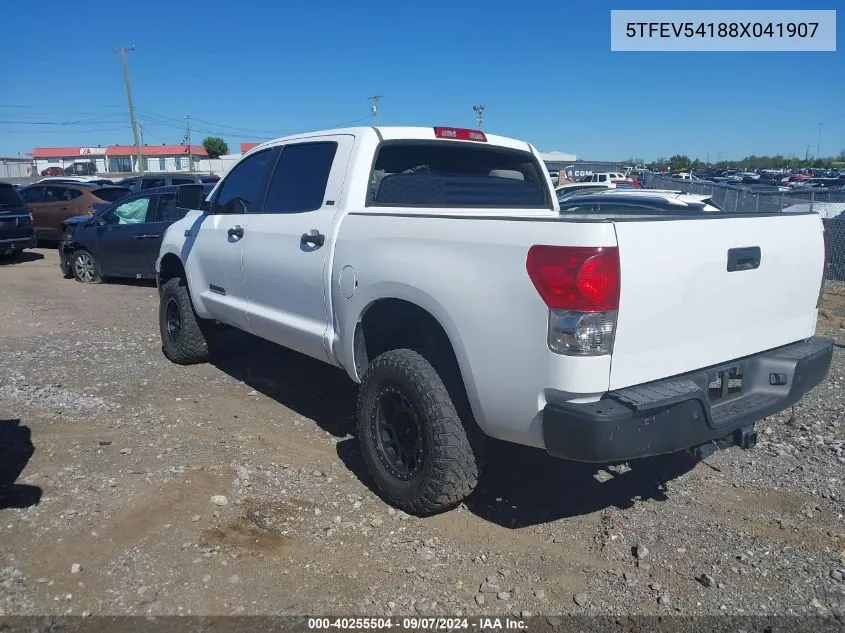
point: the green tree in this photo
(215, 146)
(679, 161)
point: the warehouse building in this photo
(120, 158)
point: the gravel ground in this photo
(235, 488)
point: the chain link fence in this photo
(830, 205)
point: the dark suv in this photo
(16, 230)
(151, 181)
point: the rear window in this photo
(182, 181)
(451, 174)
(111, 194)
(9, 197)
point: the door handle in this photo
(152, 236)
(236, 231)
(744, 258)
(313, 237)
(138, 237)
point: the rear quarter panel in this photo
(469, 273)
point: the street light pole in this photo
(819, 146)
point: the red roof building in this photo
(120, 158)
(245, 147)
(78, 153)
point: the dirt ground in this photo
(235, 487)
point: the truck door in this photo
(286, 246)
(213, 264)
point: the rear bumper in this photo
(17, 243)
(679, 413)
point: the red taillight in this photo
(460, 134)
(576, 277)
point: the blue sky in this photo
(544, 71)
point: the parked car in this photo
(633, 201)
(93, 179)
(122, 239)
(148, 181)
(88, 180)
(568, 188)
(434, 266)
(51, 204)
(53, 171)
(81, 168)
(16, 230)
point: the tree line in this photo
(684, 162)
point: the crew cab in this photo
(434, 266)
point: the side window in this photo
(70, 194)
(167, 209)
(602, 177)
(33, 194)
(54, 194)
(240, 190)
(182, 181)
(149, 183)
(299, 181)
(131, 212)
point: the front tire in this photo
(183, 334)
(85, 268)
(413, 441)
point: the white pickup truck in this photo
(435, 267)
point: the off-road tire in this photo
(191, 345)
(449, 468)
(96, 274)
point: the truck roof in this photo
(396, 133)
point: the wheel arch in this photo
(395, 322)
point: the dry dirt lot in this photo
(235, 487)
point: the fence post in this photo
(812, 200)
(780, 208)
(757, 203)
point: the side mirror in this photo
(189, 197)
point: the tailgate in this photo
(680, 309)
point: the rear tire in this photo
(413, 441)
(184, 335)
(85, 268)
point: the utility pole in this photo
(819, 146)
(374, 109)
(479, 115)
(122, 50)
(141, 132)
(190, 155)
(807, 153)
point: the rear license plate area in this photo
(724, 384)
